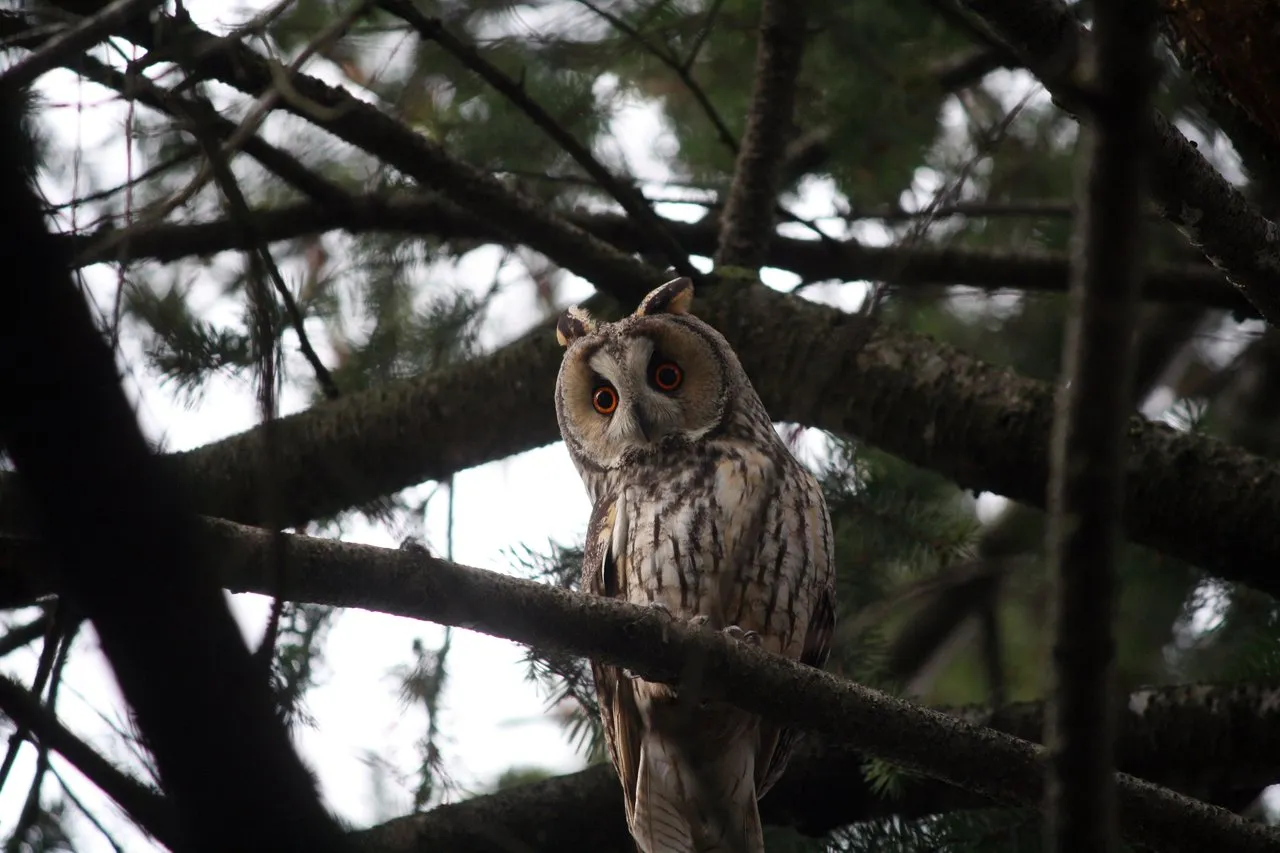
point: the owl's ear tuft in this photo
(674, 297)
(573, 324)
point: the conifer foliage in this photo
(1014, 308)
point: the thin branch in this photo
(155, 606)
(426, 161)
(683, 73)
(24, 635)
(623, 192)
(75, 39)
(144, 805)
(1086, 485)
(1190, 192)
(275, 160)
(427, 215)
(747, 223)
(85, 811)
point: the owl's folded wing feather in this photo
(817, 648)
(604, 574)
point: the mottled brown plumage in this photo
(699, 508)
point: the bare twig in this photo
(624, 192)
(747, 223)
(31, 808)
(85, 811)
(1086, 484)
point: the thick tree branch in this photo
(987, 428)
(747, 223)
(430, 216)
(1191, 194)
(1087, 465)
(1230, 52)
(122, 540)
(1208, 742)
(411, 584)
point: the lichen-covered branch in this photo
(938, 745)
(747, 222)
(1087, 466)
(1186, 494)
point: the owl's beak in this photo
(642, 423)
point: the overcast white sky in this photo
(492, 717)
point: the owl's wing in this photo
(817, 648)
(604, 574)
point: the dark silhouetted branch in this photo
(123, 543)
(427, 215)
(747, 223)
(1189, 191)
(1086, 481)
(73, 40)
(145, 806)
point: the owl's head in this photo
(656, 378)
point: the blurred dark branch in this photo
(413, 584)
(812, 260)
(1086, 484)
(73, 40)
(144, 805)
(31, 809)
(23, 635)
(623, 191)
(1190, 192)
(747, 223)
(968, 68)
(73, 435)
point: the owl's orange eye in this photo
(605, 400)
(667, 376)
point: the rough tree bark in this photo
(1118, 75)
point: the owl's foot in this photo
(751, 638)
(699, 621)
(414, 544)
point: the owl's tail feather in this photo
(686, 803)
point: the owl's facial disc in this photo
(644, 390)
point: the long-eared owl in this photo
(701, 510)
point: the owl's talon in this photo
(751, 638)
(414, 544)
(699, 621)
(661, 608)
